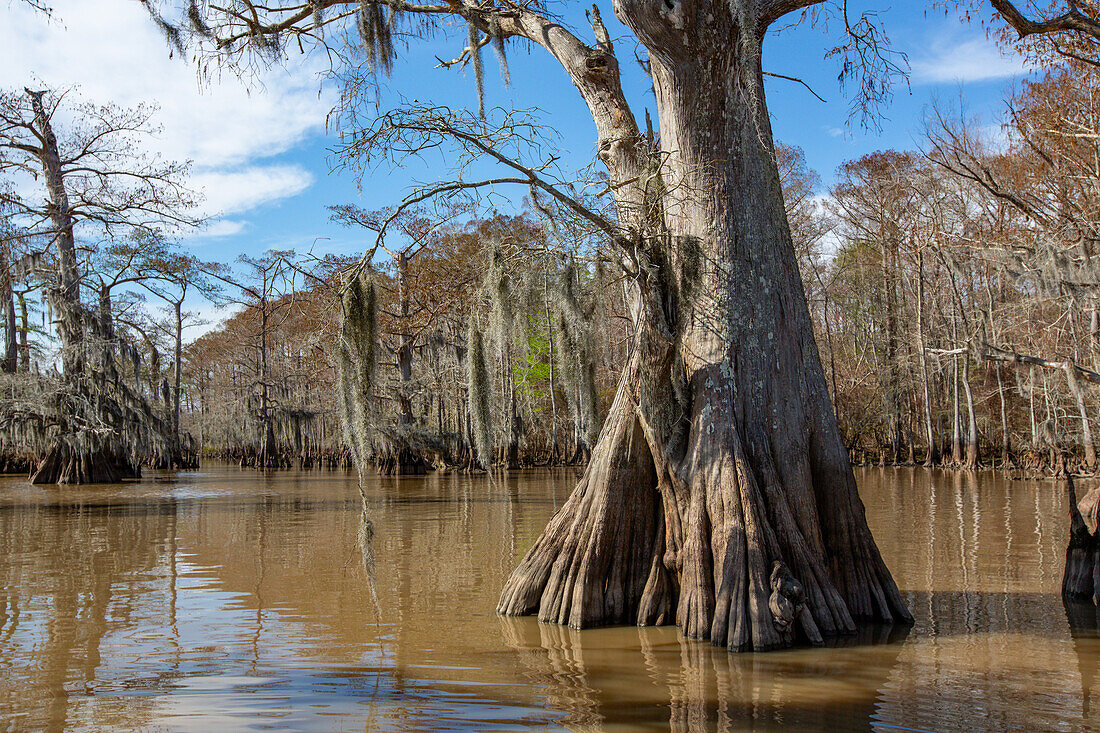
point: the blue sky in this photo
(261, 148)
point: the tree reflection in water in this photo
(706, 687)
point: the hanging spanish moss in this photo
(498, 284)
(497, 35)
(318, 9)
(198, 23)
(86, 425)
(477, 380)
(356, 366)
(375, 25)
(579, 369)
(479, 72)
(356, 360)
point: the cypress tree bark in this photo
(719, 494)
(1081, 577)
(9, 359)
(24, 331)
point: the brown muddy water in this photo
(232, 599)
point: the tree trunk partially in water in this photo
(719, 494)
(1074, 384)
(973, 452)
(1081, 578)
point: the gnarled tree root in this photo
(737, 546)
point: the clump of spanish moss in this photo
(497, 35)
(579, 367)
(375, 25)
(479, 72)
(318, 9)
(198, 23)
(477, 380)
(356, 363)
(498, 285)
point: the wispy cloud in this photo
(221, 228)
(238, 191)
(954, 58)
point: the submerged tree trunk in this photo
(719, 494)
(1081, 578)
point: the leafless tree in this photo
(97, 185)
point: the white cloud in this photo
(237, 191)
(953, 59)
(221, 228)
(112, 52)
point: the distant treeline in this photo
(953, 293)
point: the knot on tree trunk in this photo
(597, 63)
(787, 597)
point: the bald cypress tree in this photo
(719, 495)
(91, 426)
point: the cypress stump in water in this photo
(719, 495)
(1081, 579)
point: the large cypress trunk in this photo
(719, 493)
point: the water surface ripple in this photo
(229, 599)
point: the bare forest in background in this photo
(952, 292)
